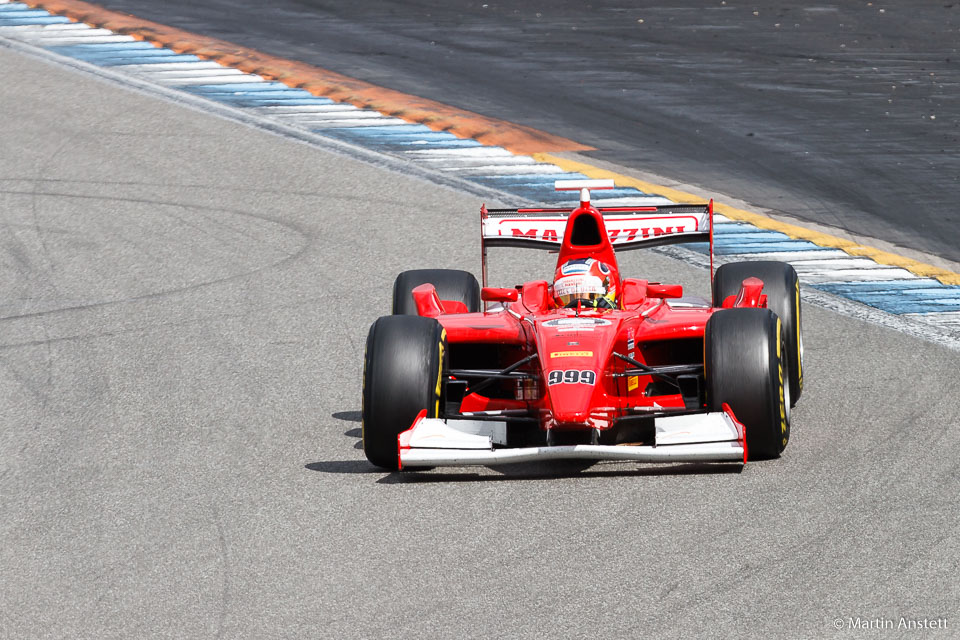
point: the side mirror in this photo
(536, 296)
(634, 293)
(498, 294)
(427, 300)
(750, 295)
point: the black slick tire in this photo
(402, 375)
(744, 366)
(782, 288)
(451, 284)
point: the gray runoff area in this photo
(185, 304)
(843, 114)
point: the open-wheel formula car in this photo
(591, 366)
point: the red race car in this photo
(591, 366)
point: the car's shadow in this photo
(519, 472)
(553, 470)
(350, 416)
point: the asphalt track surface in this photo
(844, 114)
(186, 301)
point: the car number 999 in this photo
(571, 376)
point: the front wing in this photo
(704, 437)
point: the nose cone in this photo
(571, 405)
(574, 351)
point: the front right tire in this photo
(745, 361)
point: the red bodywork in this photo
(577, 382)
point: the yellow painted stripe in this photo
(758, 220)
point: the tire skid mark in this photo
(346, 195)
(305, 242)
(42, 392)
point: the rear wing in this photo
(627, 227)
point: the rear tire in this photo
(451, 284)
(782, 288)
(402, 375)
(744, 364)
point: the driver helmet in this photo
(587, 281)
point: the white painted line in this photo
(846, 262)
(852, 275)
(794, 257)
(282, 113)
(321, 118)
(64, 41)
(485, 162)
(938, 318)
(26, 29)
(331, 117)
(505, 169)
(222, 79)
(187, 74)
(74, 29)
(472, 152)
(370, 122)
(73, 26)
(633, 201)
(168, 66)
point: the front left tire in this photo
(402, 375)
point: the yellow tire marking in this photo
(783, 401)
(436, 409)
